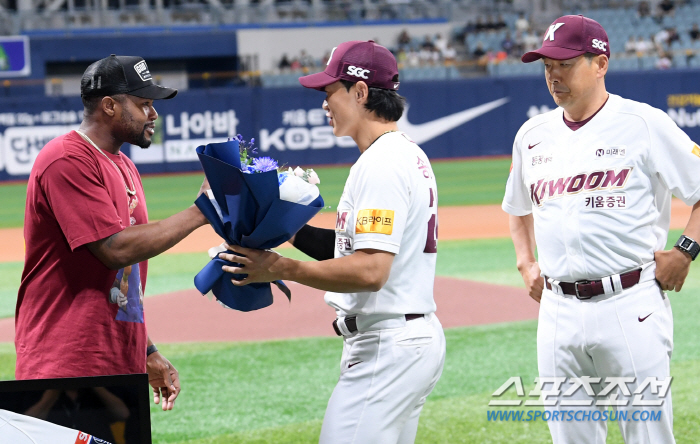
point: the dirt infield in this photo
(187, 316)
(473, 222)
(460, 303)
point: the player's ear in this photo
(361, 92)
(108, 104)
(603, 64)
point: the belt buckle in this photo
(578, 295)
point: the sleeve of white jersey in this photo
(21, 429)
(516, 200)
(675, 158)
(381, 194)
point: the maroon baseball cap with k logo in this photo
(571, 36)
(354, 61)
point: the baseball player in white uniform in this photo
(378, 265)
(22, 429)
(590, 188)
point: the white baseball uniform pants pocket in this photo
(386, 376)
(629, 335)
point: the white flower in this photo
(313, 177)
(297, 190)
(298, 172)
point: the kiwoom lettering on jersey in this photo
(375, 221)
(545, 189)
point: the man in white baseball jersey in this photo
(590, 187)
(378, 266)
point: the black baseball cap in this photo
(122, 75)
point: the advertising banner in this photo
(451, 119)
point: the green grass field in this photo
(276, 391)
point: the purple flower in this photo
(264, 164)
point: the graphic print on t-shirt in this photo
(126, 292)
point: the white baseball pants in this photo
(386, 374)
(629, 334)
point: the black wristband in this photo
(151, 349)
(318, 243)
(688, 245)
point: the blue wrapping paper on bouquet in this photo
(250, 214)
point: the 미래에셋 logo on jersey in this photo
(614, 201)
(142, 70)
(375, 221)
(614, 151)
(545, 189)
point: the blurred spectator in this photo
(325, 58)
(631, 45)
(440, 42)
(306, 61)
(643, 9)
(500, 23)
(519, 47)
(660, 39)
(521, 24)
(694, 33)
(672, 37)
(531, 41)
(644, 47)
(478, 51)
(401, 57)
(667, 8)
(295, 64)
(664, 61)
(427, 43)
(449, 55)
(508, 44)
(404, 39)
(412, 59)
(284, 63)
(426, 55)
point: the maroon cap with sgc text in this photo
(354, 61)
(571, 36)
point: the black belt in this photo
(351, 323)
(588, 289)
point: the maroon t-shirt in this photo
(68, 320)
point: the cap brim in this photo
(317, 81)
(551, 52)
(155, 92)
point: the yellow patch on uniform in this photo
(696, 150)
(375, 221)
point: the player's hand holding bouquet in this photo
(253, 205)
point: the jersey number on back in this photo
(431, 241)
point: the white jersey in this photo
(390, 203)
(601, 195)
(21, 429)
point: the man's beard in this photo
(133, 135)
